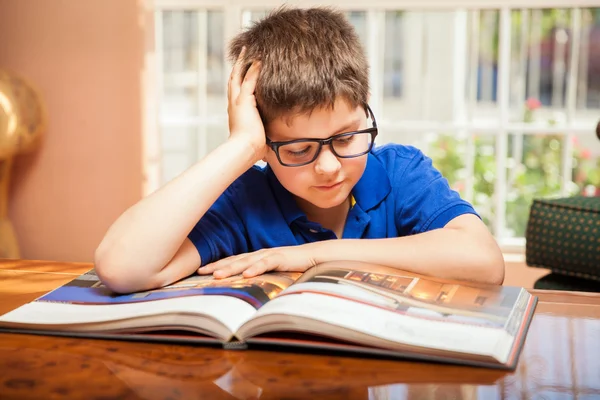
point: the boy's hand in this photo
(244, 120)
(286, 259)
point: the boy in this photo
(298, 97)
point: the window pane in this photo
(216, 69)
(180, 40)
(215, 62)
(484, 176)
(533, 171)
(393, 55)
(173, 164)
(422, 52)
(482, 65)
(546, 78)
(358, 19)
(487, 65)
(177, 138)
(180, 63)
(254, 15)
(469, 165)
(449, 156)
(586, 166)
(541, 46)
(541, 42)
(182, 55)
(588, 90)
(216, 134)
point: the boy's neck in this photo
(330, 218)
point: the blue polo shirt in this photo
(399, 194)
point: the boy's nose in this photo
(327, 163)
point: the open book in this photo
(341, 306)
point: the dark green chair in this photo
(563, 235)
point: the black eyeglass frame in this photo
(323, 142)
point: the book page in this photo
(88, 289)
(357, 322)
(413, 294)
(402, 307)
(85, 300)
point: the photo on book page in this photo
(87, 289)
(415, 296)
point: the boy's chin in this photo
(326, 203)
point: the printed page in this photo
(85, 300)
(356, 322)
(416, 295)
(403, 308)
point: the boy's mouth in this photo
(329, 187)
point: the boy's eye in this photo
(344, 140)
(298, 152)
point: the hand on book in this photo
(285, 259)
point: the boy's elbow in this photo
(496, 276)
(110, 273)
(492, 263)
(116, 274)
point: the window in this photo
(504, 100)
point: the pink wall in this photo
(85, 58)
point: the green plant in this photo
(534, 172)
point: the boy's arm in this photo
(147, 246)
(463, 249)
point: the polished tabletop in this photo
(560, 360)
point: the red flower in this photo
(533, 104)
(586, 154)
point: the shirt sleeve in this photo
(424, 199)
(220, 233)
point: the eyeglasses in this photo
(295, 153)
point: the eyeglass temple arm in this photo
(370, 114)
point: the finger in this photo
(212, 267)
(249, 83)
(235, 79)
(231, 270)
(238, 266)
(265, 264)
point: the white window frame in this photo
(375, 8)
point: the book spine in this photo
(235, 345)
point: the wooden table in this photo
(561, 359)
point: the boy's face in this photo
(327, 181)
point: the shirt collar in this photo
(374, 185)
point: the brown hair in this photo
(309, 58)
